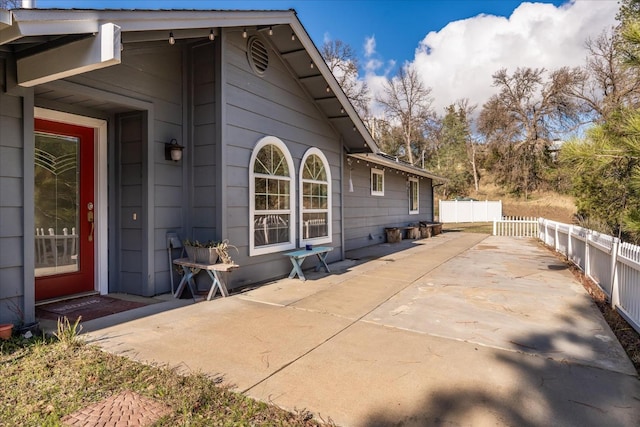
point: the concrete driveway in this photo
(459, 329)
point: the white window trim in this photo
(317, 240)
(376, 171)
(417, 183)
(278, 247)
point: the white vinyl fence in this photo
(469, 211)
(515, 227)
(613, 265)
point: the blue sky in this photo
(398, 26)
(455, 44)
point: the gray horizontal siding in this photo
(203, 212)
(12, 261)
(367, 216)
(271, 105)
(152, 72)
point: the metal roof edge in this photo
(383, 160)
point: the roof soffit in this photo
(145, 25)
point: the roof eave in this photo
(401, 166)
(38, 22)
(135, 23)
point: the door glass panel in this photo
(56, 195)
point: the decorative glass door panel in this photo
(63, 201)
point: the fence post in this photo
(495, 224)
(569, 245)
(587, 254)
(556, 239)
(539, 229)
(615, 291)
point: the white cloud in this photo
(369, 46)
(458, 61)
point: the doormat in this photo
(91, 307)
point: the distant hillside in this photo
(546, 204)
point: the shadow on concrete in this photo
(544, 387)
(382, 250)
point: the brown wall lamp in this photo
(173, 150)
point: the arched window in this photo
(271, 198)
(315, 198)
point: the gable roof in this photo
(32, 31)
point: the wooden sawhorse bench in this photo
(298, 257)
(191, 269)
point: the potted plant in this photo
(204, 253)
(6, 329)
(222, 249)
(208, 252)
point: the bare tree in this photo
(10, 4)
(608, 83)
(522, 120)
(406, 100)
(471, 143)
(343, 63)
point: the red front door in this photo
(64, 209)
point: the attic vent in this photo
(258, 56)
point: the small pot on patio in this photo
(394, 234)
(6, 329)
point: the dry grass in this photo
(43, 380)
(546, 204)
(469, 227)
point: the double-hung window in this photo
(377, 182)
(271, 198)
(315, 198)
(414, 192)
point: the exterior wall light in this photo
(173, 150)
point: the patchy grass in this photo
(44, 379)
(469, 227)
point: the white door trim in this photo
(101, 279)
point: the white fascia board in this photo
(36, 22)
(5, 18)
(99, 51)
(43, 22)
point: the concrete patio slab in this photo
(241, 341)
(482, 331)
(353, 298)
(377, 376)
(528, 302)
